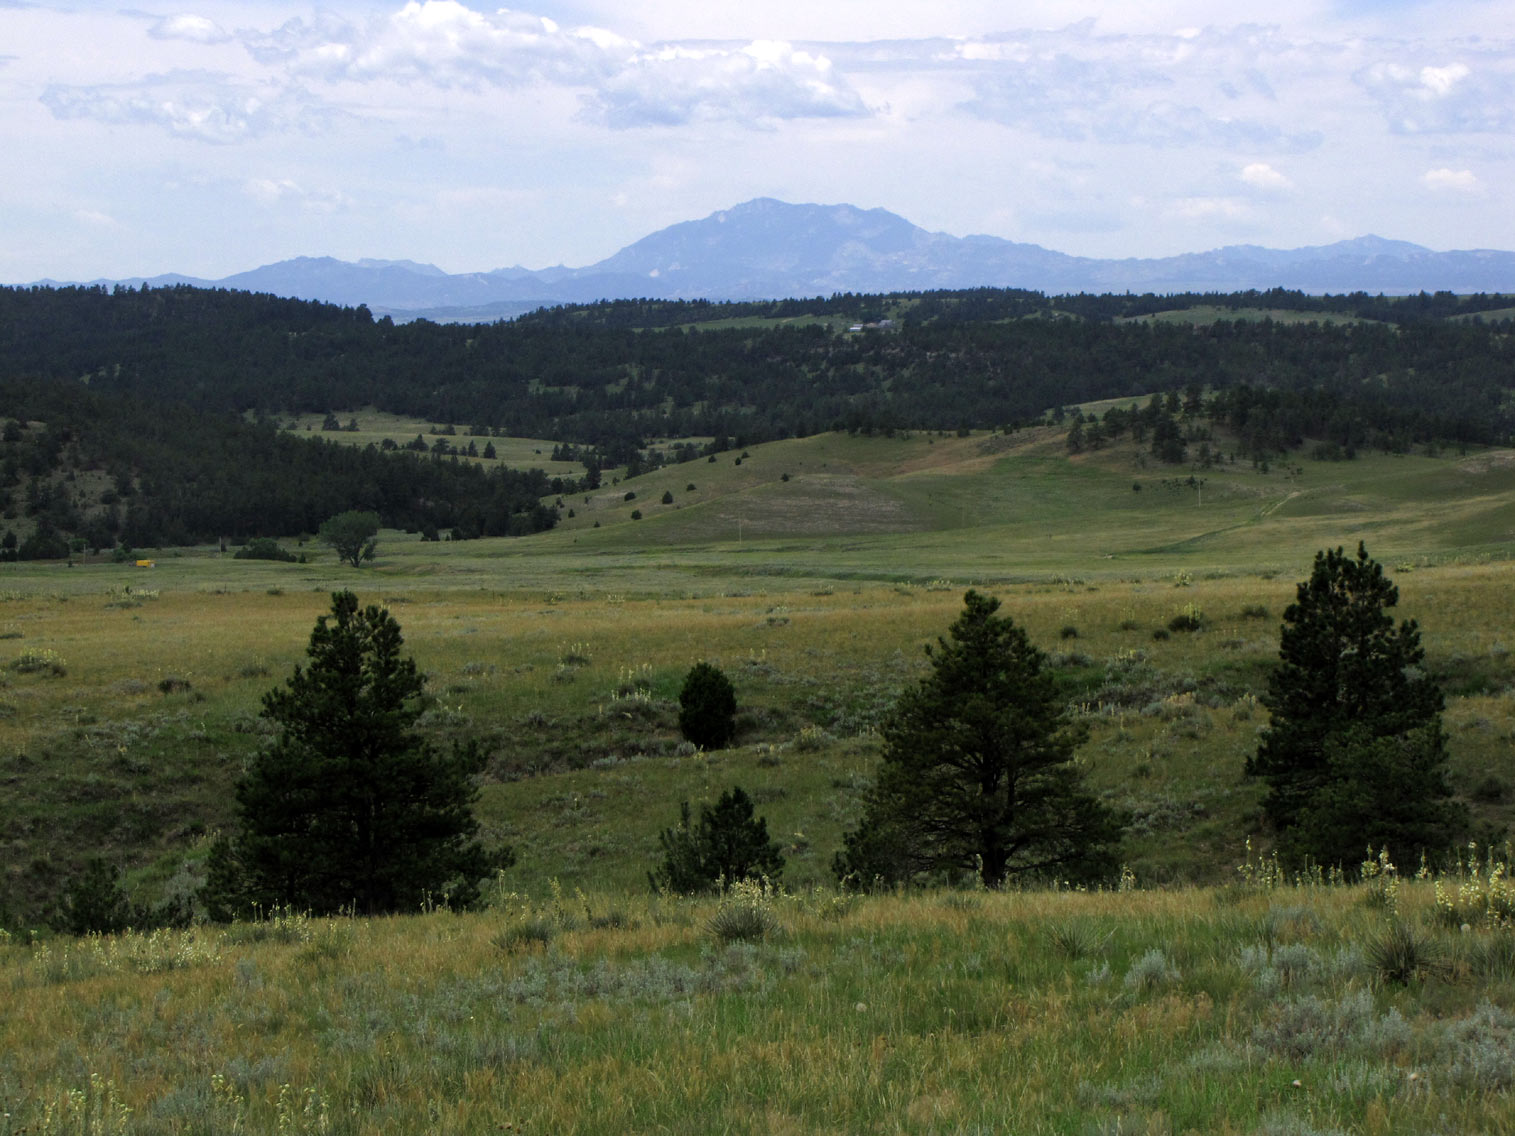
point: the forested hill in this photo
(156, 386)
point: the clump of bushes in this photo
(39, 660)
(264, 548)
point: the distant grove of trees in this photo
(167, 390)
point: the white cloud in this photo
(1162, 91)
(196, 29)
(443, 43)
(1453, 98)
(1208, 208)
(196, 106)
(96, 218)
(760, 81)
(1455, 181)
(1260, 175)
(277, 191)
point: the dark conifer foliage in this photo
(350, 806)
(158, 386)
(977, 773)
(728, 844)
(707, 707)
(1354, 752)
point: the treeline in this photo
(163, 387)
(104, 471)
(580, 376)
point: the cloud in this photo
(1151, 90)
(760, 81)
(1454, 181)
(197, 29)
(196, 106)
(1260, 175)
(276, 191)
(1450, 98)
(444, 44)
(1208, 208)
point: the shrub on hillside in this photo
(727, 845)
(707, 707)
(264, 548)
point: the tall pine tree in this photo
(978, 773)
(1356, 722)
(351, 807)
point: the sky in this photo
(208, 137)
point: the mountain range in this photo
(769, 249)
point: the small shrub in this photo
(812, 738)
(1401, 954)
(1067, 631)
(1186, 621)
(95, 902)
(43, 660)
(1254, 611)
(535, 932)
(263, 548)
(1151, 971)
(1305, 1025)
(1074, 940)
(636, 514)
(668, 496)
(1160, 634)
(742, 923)
(1489, 791)
(1480, 1050)
(173, 684)
(630, 495)
(1495, 958)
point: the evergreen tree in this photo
(707, 707)
(727, 845)
(350, 806)
(1348, 680)
(978, 772)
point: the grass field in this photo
(1259, 1007)
(813, 573)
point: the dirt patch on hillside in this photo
(819, 504)
(1488, 463)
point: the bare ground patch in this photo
(817, 504)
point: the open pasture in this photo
(1197, 998)
(564, 652)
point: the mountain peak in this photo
(765, 248)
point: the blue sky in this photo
(213, 137)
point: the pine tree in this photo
(978, 772)
(350, 806)
(707, 707)
(1348, 680)
(727, 845)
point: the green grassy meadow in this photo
(812, 573)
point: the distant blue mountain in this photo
(768, 249)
